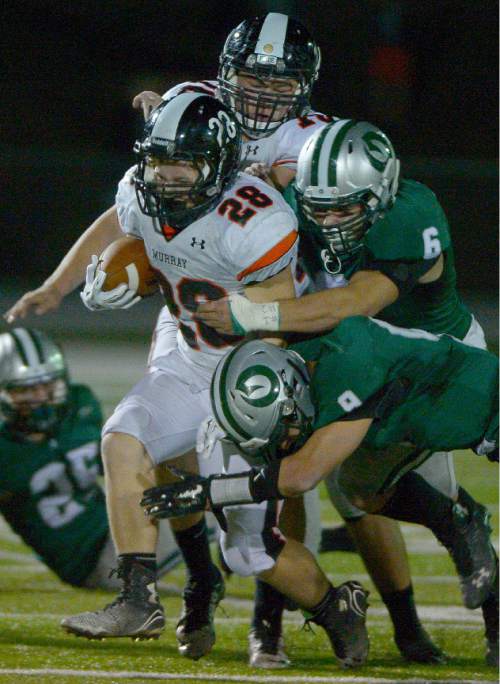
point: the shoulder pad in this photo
(414, 228)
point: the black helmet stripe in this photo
(272, 33)
(28, 347)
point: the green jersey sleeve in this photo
(414, 229)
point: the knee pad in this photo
(345, 508)
(243, 559)
(251, 544)
(439, 472)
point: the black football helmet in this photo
(269, 46)
(32, 366)
(189, 127)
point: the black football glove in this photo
(189, 495)
(193, 493)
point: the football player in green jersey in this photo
(371, 244)
(50, 431)
(385, 398)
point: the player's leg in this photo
(204, 588)
(459, 522)
(162, 412)
(168, 557)
(299, 520)
(136, 612)
(253, 545)
(383, 552)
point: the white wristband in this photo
(252, 316)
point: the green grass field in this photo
(33, 647)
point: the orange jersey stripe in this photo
(272, 255)
(284, 161)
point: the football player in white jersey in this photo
(207, 231)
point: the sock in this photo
(416, 501)
(195, 548)
(401, 607)
(316, 614)
(268, 607)
(147, 560)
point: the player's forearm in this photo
(321, 311)
(71, 270)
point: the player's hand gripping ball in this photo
(120, 277)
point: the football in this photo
(125, 261)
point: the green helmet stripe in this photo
(329, 153)
(35, 338)
(226, 411)
(26, 348)
(316, 155)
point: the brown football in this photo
(125, 261)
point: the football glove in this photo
(209, 433)
(94, 297)
(195, 493)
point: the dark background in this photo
(426, 73)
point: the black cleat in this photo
(266, 649)
(421, 649)
(342, 614)
(473, 555)
(135, 613)
(490, 615)
(195, 630)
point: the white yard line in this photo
(258, 679)
(443, 615)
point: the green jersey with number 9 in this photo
(429, 390)
(49, 493)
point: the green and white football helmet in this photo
(346, 162)
(258, 392)
(32, 366)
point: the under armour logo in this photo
(252, 150)
(195, 242)
(481, 578)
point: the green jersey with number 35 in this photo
(431, 391)
(404, 245)
(49, 493)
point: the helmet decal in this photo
(377, 150)
(258, 386)
(226, 129)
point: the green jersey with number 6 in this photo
(403, 244)
(431, 391)
(49, 493)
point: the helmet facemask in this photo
(177, 205)
(36, 407)
(272, 46)
(259, 111)
(344, 237)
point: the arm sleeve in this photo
(205, 87)
(293, 135)
(126, 206)
(404, 274)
